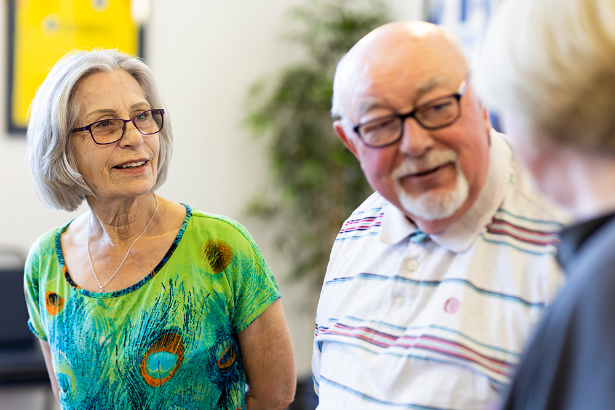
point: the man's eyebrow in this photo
(421, 89)
(367, 105)
(428, 85)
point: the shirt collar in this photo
(459, 236)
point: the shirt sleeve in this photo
(316, 356)
(32, 276)
(254, 287)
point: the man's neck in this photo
(439, 225)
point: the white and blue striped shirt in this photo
(414, 321)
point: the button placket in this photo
(412, 265)
(404, 297)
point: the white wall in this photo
(205, 54)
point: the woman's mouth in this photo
(128, 165)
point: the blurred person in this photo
(436, 280)
(141, 302)
(550, 68)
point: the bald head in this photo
(396, 49)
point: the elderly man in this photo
(435, 281)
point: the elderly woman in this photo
(141, 302)
(549, 65)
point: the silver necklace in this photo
(102, 287)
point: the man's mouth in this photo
(429, 171)
(135, 164)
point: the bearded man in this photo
(436, 280)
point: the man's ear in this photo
(338, 126)
(486, 118)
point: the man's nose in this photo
(415, 140)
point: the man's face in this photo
(431, 175)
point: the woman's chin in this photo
(128, 192)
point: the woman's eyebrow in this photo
(139, 105)
(114, 112)
(101, 111)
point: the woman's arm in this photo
(268, 360)
(52, 377)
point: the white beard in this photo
(431, 205)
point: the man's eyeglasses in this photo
(432, 115)
(112, 130)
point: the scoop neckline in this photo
(132, 288)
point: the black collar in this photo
(573, 237)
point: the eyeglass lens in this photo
(111, 130)
(436, 115)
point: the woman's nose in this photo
(132, 136)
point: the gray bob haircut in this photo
(552, 62)
(53, 114)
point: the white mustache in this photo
(431, 160)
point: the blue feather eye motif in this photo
(162, 359)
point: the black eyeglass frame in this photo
(89, 126)
(412, 114)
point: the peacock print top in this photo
(167, 342)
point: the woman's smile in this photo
(133, 167)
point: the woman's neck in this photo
(592, 184)
(123, 220)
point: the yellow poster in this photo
(45, 30)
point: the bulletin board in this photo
(42, 31)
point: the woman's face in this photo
(546, 162)
(127, 168)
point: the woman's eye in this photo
(103, 123)
(142, 116)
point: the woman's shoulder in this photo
(218, 224)
(45, 245)
(214, 231)
(48, 239)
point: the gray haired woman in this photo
(141, 302)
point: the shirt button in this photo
(400, 302)
(413, 265)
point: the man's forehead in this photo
(406, 74)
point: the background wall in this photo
(206, 54)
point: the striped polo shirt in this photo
(414, 321)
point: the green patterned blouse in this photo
(167, 342)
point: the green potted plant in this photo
(317, 182)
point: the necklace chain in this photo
(102, 287)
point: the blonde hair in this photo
(553, 63)
(53, 114)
